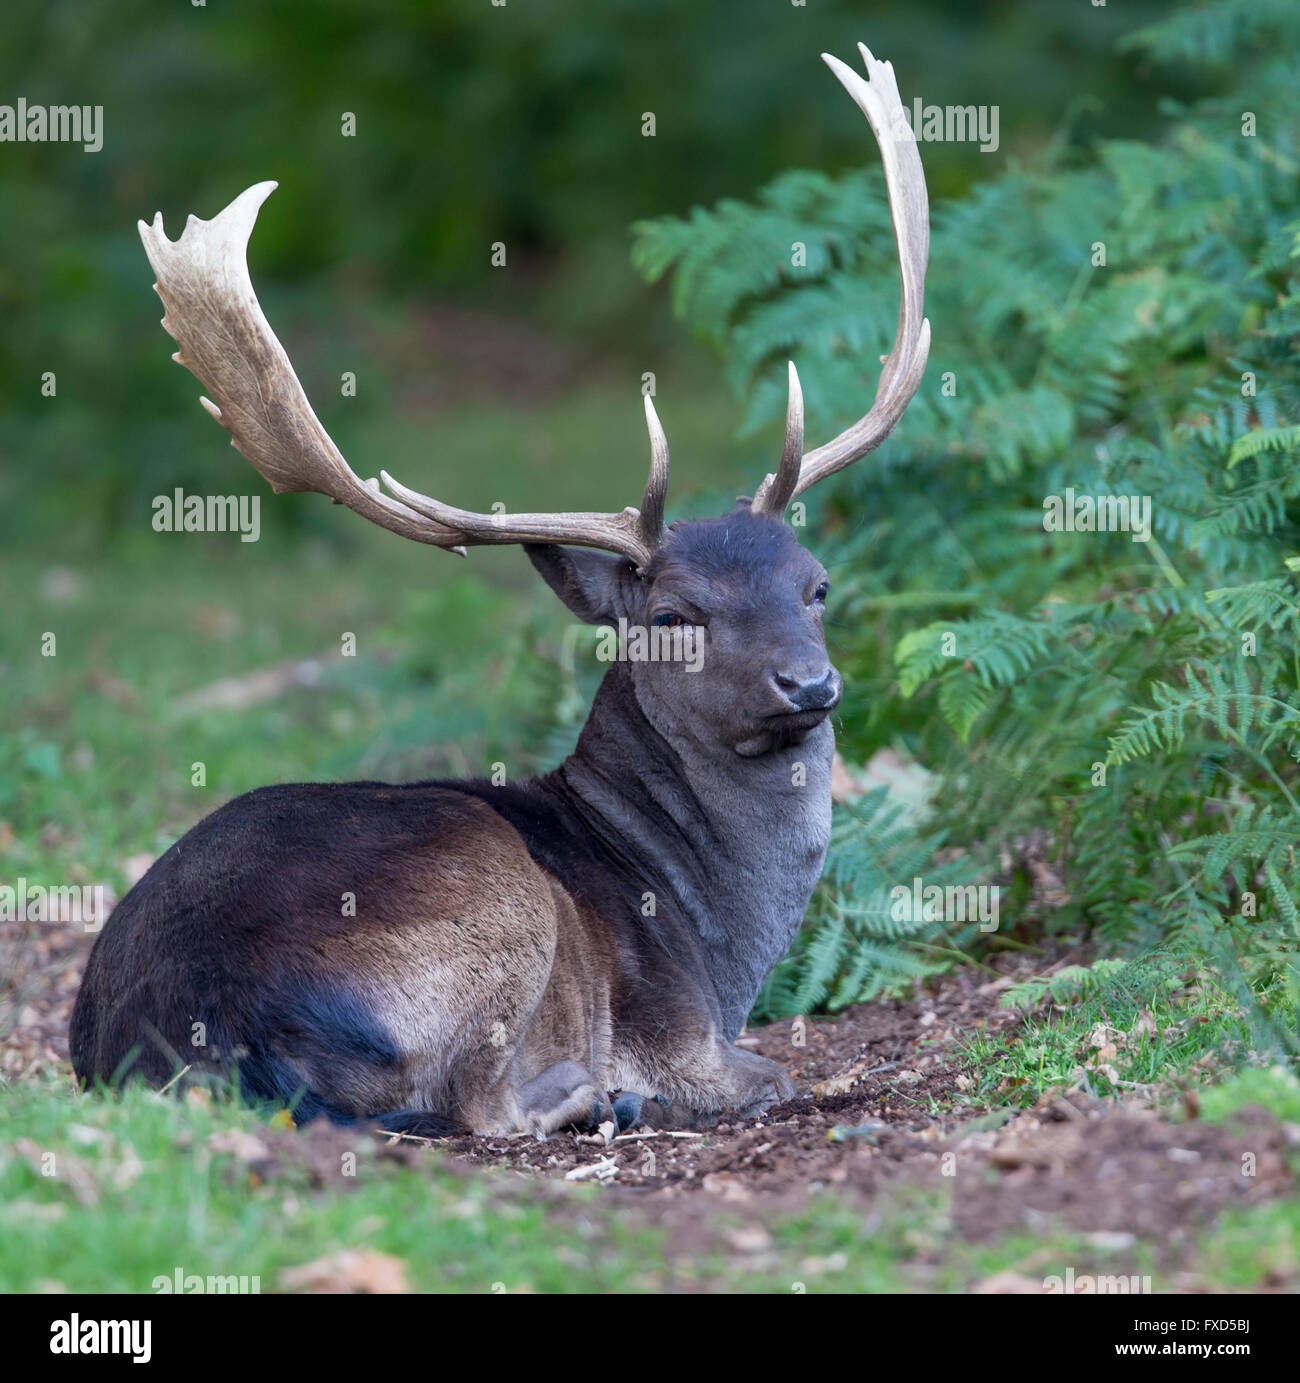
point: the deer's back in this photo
(315, 926)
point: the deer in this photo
(521, 957)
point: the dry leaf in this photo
(840, 1085)
(727, 1185)
(749, 1239)
(1144, 1027)
(73, 1174)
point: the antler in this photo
(225, 340)
(909, 207)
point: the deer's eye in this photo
(822, 591)
(668, 619)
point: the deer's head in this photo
(738, 595)
(722, 631)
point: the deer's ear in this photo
(595, 586)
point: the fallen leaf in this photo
(73, 1174)
(1144, 1027)
(842, 1084)
(135, 867)
(727, 1185)
(247, 1147)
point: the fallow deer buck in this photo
(518, 951)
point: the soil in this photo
(881, 1102)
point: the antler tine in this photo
(651, 526)
(776, 491)
(878, 99)
(226, 341)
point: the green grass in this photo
(138, 1192)
(1264, 1087)
(1252, 1248)
(1151, 1025)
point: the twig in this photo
(603, 1170)
(906, 1099)
(176, 1077)
(396, 1136)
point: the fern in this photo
(1234, 711)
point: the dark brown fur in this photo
(457, 954)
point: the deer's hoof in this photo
(627, 1110)
(637, 1111)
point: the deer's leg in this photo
(564, 1095)
(758, 1082)
(706, 1079)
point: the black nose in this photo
(818, 693)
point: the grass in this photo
(1152, 1025)
(137, 1190)
(1265, 1087)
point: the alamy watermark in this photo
(948, 125)
(193, 1284)
(1096, 1285)
(77, 1336)
(635, 643)
(922, 902)
(182, 513)
(1075, 513)
(86, 904)
(24, 124)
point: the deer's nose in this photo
(817, 693)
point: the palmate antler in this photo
(226, 341)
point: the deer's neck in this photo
(737, 843)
